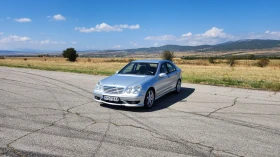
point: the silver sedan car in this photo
(139, 83)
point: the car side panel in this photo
(173, 77)
(161, 85)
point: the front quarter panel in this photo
(148, 84)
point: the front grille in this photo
(113, 90)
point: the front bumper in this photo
(125, 99)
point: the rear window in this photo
(170, 67)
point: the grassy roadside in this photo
(241, 76)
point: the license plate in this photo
(110, 98)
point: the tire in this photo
(149, 99)
(178, 86)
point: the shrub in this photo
(25, 59)
(130, 60)
(262, 62)
(231, 61)
(89, 60)
(167, 55)
(71, 54)
(190, 57)
(1, 57)
(117, 60)
(251, 57)
(211, 60)
(44, 55)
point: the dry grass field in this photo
(244, 74)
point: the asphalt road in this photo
(45, 113)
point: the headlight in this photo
(98, 86)
(133, 89)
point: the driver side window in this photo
(163, 68)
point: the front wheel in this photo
(178, 86)
(149, 99)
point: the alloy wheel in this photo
(150, 98)
(178, 86)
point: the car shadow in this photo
(161, 103)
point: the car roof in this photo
(150, 61)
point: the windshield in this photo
(140, 68)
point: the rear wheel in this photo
(178, 86)
(149, 99)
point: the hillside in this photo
(243, 45)
(254, 44)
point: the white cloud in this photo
(266, 35)
(129, 27)
(8, 18)
(1, 33)
(156, 44)
(48, 42)
(213, 33)
(273, 33)
(18, 38)
(211, 36)
(161, 38)
(187, 34)
(15, 41)
(51, 42)
(74, 42)
(133, 44)
(58, 17)
(134, 26)
(104, 27)
(117, 46)
(23, 20)
(85, 30)
(107, 28)
(136, 45)
(14, 38)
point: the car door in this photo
(172, 76)
(162, 82)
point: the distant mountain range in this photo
(26, 52)
(248, 44)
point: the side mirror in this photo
(117, 72)
(162, 75)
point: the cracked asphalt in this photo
(44, 113)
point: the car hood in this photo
(125, 80)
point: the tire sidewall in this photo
(177, 86)
(145, 100)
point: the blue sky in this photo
(121, 24)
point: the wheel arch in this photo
(153, 88)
